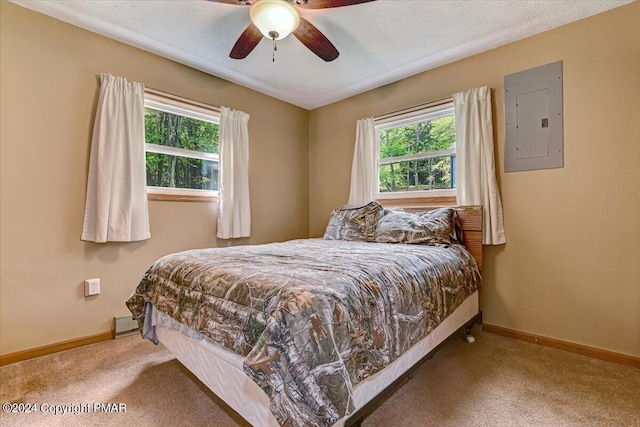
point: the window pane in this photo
(172, 130)
(398, 141)
(421, 137)
(406, 151)
(164, 170)
(439, 134)
(418, 175)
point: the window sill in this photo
(417, 201)
(165, 197)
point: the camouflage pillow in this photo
(436, 227)
(358, 223)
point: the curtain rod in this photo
(414, 108)
(181, 99)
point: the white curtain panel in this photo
(363, 166)
(476, 180)
(116, 205)
(234, 210)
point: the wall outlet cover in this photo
(91, 287)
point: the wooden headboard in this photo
(471, 221)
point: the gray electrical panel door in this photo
(533, 119)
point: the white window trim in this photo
(171, 104)
(389, 122)
(420, 156)
(180, 191)
(181, 152)
(449, 192)
(422, 115)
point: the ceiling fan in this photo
(276, 19)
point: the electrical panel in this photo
(534, 119)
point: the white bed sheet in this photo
(221, 370)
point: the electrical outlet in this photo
(91, 287)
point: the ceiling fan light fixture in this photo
(275, 19)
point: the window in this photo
(416, 154)
(181, 148)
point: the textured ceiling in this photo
(379, 42)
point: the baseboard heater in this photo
(125, 325)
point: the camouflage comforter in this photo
(313, 317)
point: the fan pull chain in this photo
(274, 35)
(275, 48)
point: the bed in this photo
(313, 331)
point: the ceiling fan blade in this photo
(317, 43)
(236, 2)
(323, 4)
(247, 41)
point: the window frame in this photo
(187, 108)
(427, 113)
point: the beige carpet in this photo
(494, 382)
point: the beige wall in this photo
(571, 267)
(569, 270)
(49, 84)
